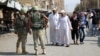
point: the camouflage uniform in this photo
(21, 33)
(38, 35)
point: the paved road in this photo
(90, 48)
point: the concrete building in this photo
(59, 4)
(91, 3)
(56, 3)
(45, 4)
(24, 2)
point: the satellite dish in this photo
(3, 1)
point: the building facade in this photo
(91, 4)
(59, 4)
(45, 4)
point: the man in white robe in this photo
(53, 20)
(89, 16)
(64, 27)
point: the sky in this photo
(70, 5)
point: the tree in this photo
(87, 4)
(77, 8)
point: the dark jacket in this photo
(94, 19)
(75, 24)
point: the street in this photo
(90, 48)
(25, 14)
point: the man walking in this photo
(75, 26)
(64, 27)
(94, 24)
(82, 24)
(53, 20)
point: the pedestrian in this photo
(94, 24)
(82, 20)
(89, 17)
(20, 23)
(75, 26)
(98, 20)
(53, 20)
(64, 27)
(38, 21)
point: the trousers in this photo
(38, 35)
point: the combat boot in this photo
(18, 50)
(44, 52)
(36, 52)
(24, 51)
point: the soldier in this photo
(21, 31)
(38, 24)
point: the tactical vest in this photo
(20, 22)
(37, 21)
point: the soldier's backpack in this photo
(20, 22)
(37, 21)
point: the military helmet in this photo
(24, 10)
(35, 8)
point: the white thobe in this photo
(90, 20)
(53, 20)
(64, 26)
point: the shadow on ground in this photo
(14, 53)
(40, 45)
(98, 42)
(50, 45)
(91, 40)
(97, 35)
(89, 33)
